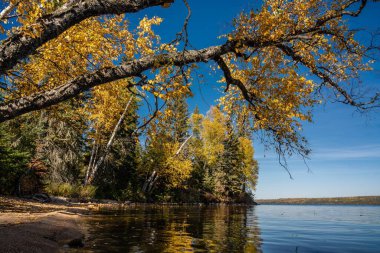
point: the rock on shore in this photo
(35, 233)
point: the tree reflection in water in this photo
(175, 229)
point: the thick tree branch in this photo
(136, 67)
(230, 80)
(105, 75)
(20, 44)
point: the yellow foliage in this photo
(213, 133)
(283, 94)
(172, 167)
(250, 167)
(106, 106)
(92, 44)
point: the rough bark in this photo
(7, 10)
(20, 45)
(129, 69)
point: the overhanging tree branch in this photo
(84, 82)
(327, 79)
(21, 44)
(252, 100)
(136, 67)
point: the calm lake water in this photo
(264, 228)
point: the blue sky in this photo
(346, 144)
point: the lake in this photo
(264, 228)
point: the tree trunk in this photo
(100, 161)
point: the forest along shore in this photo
(359, 200)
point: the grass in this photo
(71, 191)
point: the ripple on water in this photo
(264, 228)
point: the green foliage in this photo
(178, 125)
(216, 164)
(62, 190)
(61, 147)
(71, 191)
(186, 158)
(118, 178)
(166, 165)
(87, 191)
(231, 165)
(13, 162)
(131, 193)
(222, 154)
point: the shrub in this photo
(87, 191)
(52, 189)
(63, 190)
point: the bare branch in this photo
(7, 10)
(183, 144)
(348, 99)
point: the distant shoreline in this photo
(358, 200)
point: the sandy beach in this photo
(41, 232)
(29, 226)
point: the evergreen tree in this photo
(13, 162)
(118, 178)
(196, 181)
(61, 147)
(177, 121)
(196, 122)
(231, 165)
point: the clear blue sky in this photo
(346, 145)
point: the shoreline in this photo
(27, 225)
(40, 232)
(355, 200)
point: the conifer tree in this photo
(178, 118)
(231, 165)
(12, 162)
(118, 179)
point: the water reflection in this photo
(175, 229)
(283, 228)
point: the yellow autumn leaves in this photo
(281, 87)
(92, 44)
